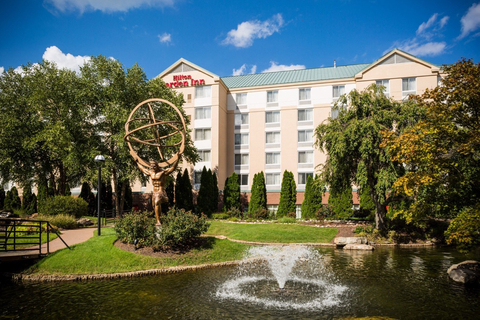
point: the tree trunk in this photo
(380, 213)
(114, 187)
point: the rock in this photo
(84, 222)
(343, 241)
(357, 246)
(466, 272)
(7, 214)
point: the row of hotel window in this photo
(202, 113)
(408, 88)
(304, 94)
(242, 138)
(241, 159)
(271, 179)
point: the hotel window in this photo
(272, 158)
(243, 179)
(338, 91)
(302, 177)
(241, 159)
(241, 99)
(386, 85)
(241, 118)
(241, 138)
(272, 117)
(197, 177)
(204, 155)
(272, 96)
(203, 113)
(305, 157)
(409, 87)
(203, 92)
(203, 134)
(304, 94)
(305, 135)
(305, 115)
(272, 179)
(272, 137)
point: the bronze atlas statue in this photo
(156, 128)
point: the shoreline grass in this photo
(99, 255)
(272, 233)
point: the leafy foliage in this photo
(353, 139)
(64, 221)
(136, 225)
(183, 191)
(464, 230)
(180, 227)
(312, 201)
(340, 199)
(288, 195)
(258, 198)
(2, 197)
(442, 151)
(76, 207)
(29, 200)
(231, 193)
(204, 201)
(87, 195)
(367, 207)
(12, 200)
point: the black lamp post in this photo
(99, 160)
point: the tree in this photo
(442, 151)
(214, 195)
(12, 200)
(183, 191)
(367, 207)
(312, 201)
(29, 200)
(288, 195)
(87, 195)
(340, 199)
(258, 199)
(231, 198)
(352, 143)
(2, 197)
(204, 193)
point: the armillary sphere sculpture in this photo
(149, 135)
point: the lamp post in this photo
(99, 160)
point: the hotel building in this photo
(266, 122)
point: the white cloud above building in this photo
(105, 5)
(165, 38)
(426, 42)
(68, 61)
(248, 31)
(240, 71)
(281, 67)
(470, 21)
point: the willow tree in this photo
(352, 143)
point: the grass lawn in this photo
(272, 232)
(99, 255)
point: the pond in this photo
(390, 282)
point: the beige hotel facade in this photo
(266, 122)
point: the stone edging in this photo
(18, 277)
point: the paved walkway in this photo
(71, 237)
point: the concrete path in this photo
(71, 237)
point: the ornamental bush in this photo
(63, 221)
(76, 207)
(136, 225)
(288, 195)
(179, 227)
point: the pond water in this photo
(397, 283)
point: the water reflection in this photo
(398, 283)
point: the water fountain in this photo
(290, 277)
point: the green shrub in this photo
(287, 220)
(360, 229)
(325, 211)
(180, 227)
(235, 213)
(220, 216)
(260, 214)
(68, 205)
(136, 225)
(63, 221)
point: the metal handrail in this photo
(10, 227)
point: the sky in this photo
(235, 37)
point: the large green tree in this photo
(288, 195)
(352, 143)
(312, 201)
(231, 193)
(205, 192)
(258, 198)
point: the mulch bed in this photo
(165, 253)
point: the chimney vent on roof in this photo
(334, 63)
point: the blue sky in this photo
(235, 37)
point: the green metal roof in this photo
(293, 76)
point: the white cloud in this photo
(165, 38)
(105, 5)
(424, 43)
(62, 60)
(240, 71)
(2, 69)
(247, 31)
(470, 21)
(281, 67)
